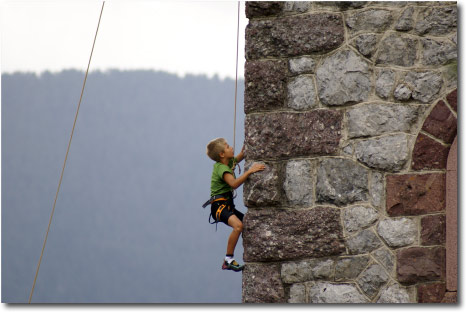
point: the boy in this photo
(222, 185)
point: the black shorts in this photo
(223, 209)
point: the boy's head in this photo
(215, 147)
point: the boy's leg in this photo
(237, 226)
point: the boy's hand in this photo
(256, 167)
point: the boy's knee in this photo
(239, 227)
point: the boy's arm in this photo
(240, 156)
(235, 183)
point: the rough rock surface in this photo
(397, 49)
(398, 232)
(298, 184)
(324, 292)
(341, 182)
(418, 264)
(358, 217)
(293, 272)
(425, 85)
(343, 78)
(375, 20)
(298, 134)
(372, 279)
(302, 93)
(437, 21)
(389, 153)
(301, 65)
(264, 187)
(438, 52)
(262, 284)
(384, 83)
(394, 294)
(384, 257)
(350, 267)
(363, 242)
(271, 235)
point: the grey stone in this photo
(366, 44)
(402, 92)
(294, 272)
(289, 234)
(437, 21)
(358, 217)
(297, 293)
(425, 85)
(262, 188)
(341, 182)
(363, 242)
(350, 267)
(298, 184)
(438, 52)
(389, 153)
(385, 257)
(340, 5)
(302, 65)
(385, 82)
(302, 93)
(348, 149)
(324, 292)
(376, 189)
(398, 232)
(296, 6)
(397, 49)
(293, 35)
(394, 294)
(372, 279)
(343, 78)
(405, 22)
(375, 20)
(454, 38)
(379, 118)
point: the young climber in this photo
(222, 185)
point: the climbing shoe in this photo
(233, 265)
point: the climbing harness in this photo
(66, 157)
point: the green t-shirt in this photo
(218, 185)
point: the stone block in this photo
(397, 49)
(350, 267)
(293, 35)
(441, 123)
(343, 78)
(437, 21)
(420, 264)
(385, 83)
(394, 294)
(324, 292)
(429, 154)
(302, 65)
(265, 84)
(452, 99)
(341, 182)
(402, 92)
(433, 230)
(297, 293)
(406, 21)
(263, 188)
(388, 153)
(273, 235)
(425, 85)
(398, 232)
(431, 293)
(376, 188)
(372, 279)
(263, 8)
(262, 284)
(358, 217)
(302, 94)
(366, 44)
(373, 20)
(415, 194)
(450, 297)
(384, 257)
(363, 242)
(438, 52)
(296, 6)
(298, 185)
(282, 134)
(308, 270)
(379, 118)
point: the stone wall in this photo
(352, 107)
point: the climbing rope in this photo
(66, 157)
(236, 85)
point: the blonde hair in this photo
(215, 147)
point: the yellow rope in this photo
(66, 157)
(236, 84)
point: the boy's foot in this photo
(233, 265)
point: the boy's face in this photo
(228, 152)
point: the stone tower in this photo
(352, 106)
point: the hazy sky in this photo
(175, 36)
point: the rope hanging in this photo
(66, 157)
(236, 84)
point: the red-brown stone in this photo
(415, 194)
(433, 230)
(263, 8)
(265, 83)
(450, 297)
(420, 264)
(452, 99)
(430, 293)
(441, 123)
(262, 284)
(429, 154)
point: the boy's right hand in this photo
(256, 167)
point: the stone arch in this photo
(432, 197)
